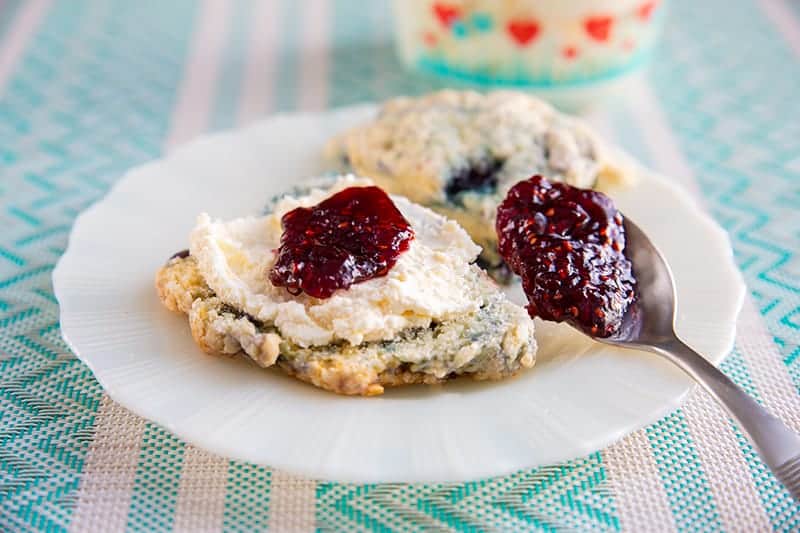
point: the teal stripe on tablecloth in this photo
(345, 60)
(735, 368)
(8, 12)
(64, 138)
(685, 483)
(155, 491)
(38, 468)
(364, 67)
(246, 497)
(734, 130)
(570, 496)
(748, 167)
(287, 81)
(229, 82)
(379, 57)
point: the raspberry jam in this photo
(567, 246)
(355, 235)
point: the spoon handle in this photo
(778, 445)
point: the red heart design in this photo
(598, 28)
(523, 31)
(446, 13)
(645, 10)
(430, 38)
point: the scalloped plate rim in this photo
(120, 396)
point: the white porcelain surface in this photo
(580, 397)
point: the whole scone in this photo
(433, 317)
(459, 152)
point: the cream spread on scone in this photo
(425, 285)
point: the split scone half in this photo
(435, 315)
(459, 152)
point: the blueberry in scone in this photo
(333, 305)
(459, 152)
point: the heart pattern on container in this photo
(446, 13)
(598, 28)
(645, 10)
(586, 43)
(523, 31)
(569, 52)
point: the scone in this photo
(433, 315)
(460, 152)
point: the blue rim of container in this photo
(439, 68)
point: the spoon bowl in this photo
(650, 318)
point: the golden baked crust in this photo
(494, 343)
(179, 284)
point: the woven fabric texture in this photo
(89, 89)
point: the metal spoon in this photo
(649, 324)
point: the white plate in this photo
(580, 397)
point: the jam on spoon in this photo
(567, 245)
(353, 236)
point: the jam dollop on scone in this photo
(349, 289)
(355, 235)
(567, 245)
(460, 152)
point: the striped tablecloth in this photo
(89, 89)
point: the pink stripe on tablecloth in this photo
(735, 494)
(639, 494)
(261, 63)
(785, 21)
(109, 472)
(18, 35)
(662, 144)
(201, 491)
(292, 503)
(196, 96)
(315, 51)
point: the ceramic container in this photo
(565, 49)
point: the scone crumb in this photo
(269, 350)
(373, 390)
(202, 326)
(463, 356)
